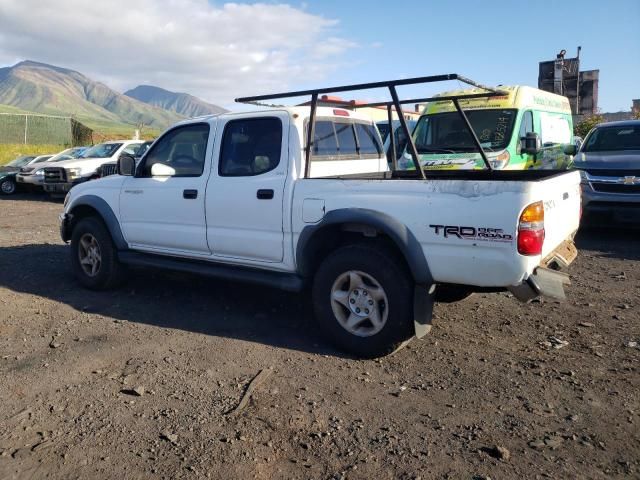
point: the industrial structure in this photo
(563, 76)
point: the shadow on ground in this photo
(613, 242)
(211, 307)
(170, 300)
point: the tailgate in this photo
(562, 202)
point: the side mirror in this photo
(126, 165)
(531, 144)
(570, 150)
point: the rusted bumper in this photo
(547, 280)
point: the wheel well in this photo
(334, 236)
(80, 212)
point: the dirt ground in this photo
(142, 382)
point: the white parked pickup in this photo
(228, 196)
(64, 175)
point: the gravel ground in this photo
(143, 382)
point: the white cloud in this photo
(217, 52)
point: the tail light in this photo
(531, 230)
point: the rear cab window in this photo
(345, 139)
(344, 146)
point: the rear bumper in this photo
(547, 280)
(543, 282)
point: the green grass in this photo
(10, 109)
(10, 151)
(106, 130)
(103, 130)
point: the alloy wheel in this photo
(7, 187)
(89, 254)
(359, 303)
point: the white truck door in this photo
(245, 193)
(162, 207)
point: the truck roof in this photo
(295, 112)
(519, 96)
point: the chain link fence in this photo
(32, 129)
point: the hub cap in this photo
(359, 303)
(7, 187)
(89, 254)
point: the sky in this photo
(219, 51)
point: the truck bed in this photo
(475, 175)
(469, 200)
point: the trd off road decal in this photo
(482, 234)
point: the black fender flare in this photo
(106, 213)
(399, 233)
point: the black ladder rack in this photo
(396, 103)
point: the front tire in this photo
(94, 257)
(363, 299)
(8, 186)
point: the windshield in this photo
(20, 161)
(68, 154)
(607, 139)
(63, 155)
(103, 150)
(44, 158)
(446, 132)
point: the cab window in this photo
(526, 125)
(338, 139)
(250, 147)
(183, 149)
(554, 130)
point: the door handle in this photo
(265, 194)
(190, 194)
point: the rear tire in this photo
(8, 186)
(94, 257)
(363, 300)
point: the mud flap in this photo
(423, 299)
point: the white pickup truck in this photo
(233, 196)
(64, 175)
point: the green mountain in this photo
(181, 103)
(42, 88)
